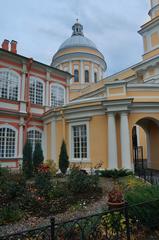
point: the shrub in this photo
(114, 173)
(147, 208)
(43, 180)
(27, 165)
(12, 185)
(9, 214)
(63, 158)
(38, 157)
(79, 182)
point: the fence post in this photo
(52, 220)
(127, 221)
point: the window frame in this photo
(71, 142)
(41, 81)
(16, 140)
(95, 77)
(86, 71)
(18, 83)
(57, 85)
(77, 75)
(42, 136)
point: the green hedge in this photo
(114, 173)
(147, 210)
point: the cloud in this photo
(41, 26)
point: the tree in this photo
(38, 156)
(63, 158)
(27, 165)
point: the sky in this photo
(41, 26)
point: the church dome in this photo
(79, 55)
(77, 41)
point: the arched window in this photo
(86, 76)
(34, 136)
(36, 90)
(76, 75)
(95, 77)
(57, 95)
(8, 139)
(9, 84)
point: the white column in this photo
(70, 71)
(81, 72)
(92, 72)
(21, 124)
(70, 67)
(100, 73)
(112, 143)
(53, 140)
(125, 141)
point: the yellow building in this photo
(107, 117)
(102, 120)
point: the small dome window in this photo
(86, 76)
(76, 75)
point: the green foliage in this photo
(38, 157)
(43, 181)
(114, 173)
(27, 166)
(79, 182)
(146, 212)
(12, 185)
(63, 158)
(9, 214)
(141, 194)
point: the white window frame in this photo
(18, 80)
(42, 135)
(37, 79)
(72, 159)
(16, 139)
(57, 85)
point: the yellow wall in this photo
(143, 141)
(145, 43)
(59, 138)
(98, 141)
(154, 140)
(154, 39)
(116, 90)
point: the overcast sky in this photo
(40, 26)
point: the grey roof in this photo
(77, 41)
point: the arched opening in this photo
(145, 140)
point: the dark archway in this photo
(146, 149)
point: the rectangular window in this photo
(79, 142)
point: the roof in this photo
(77, 41)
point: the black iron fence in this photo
(141, 169)
(135, 222)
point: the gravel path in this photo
(34, 222)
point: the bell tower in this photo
(150, 32)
